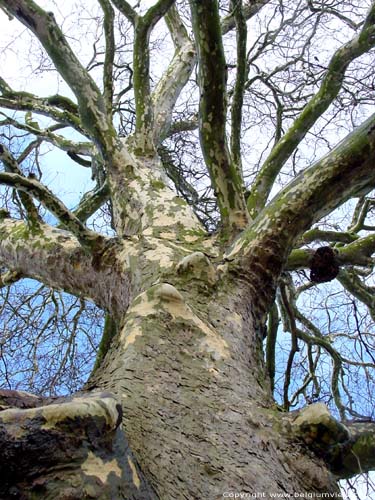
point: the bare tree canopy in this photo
(188, 310)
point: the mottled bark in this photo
(187, 369)
(67, 449)
(182, 359)
(198, 414)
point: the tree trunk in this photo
(187, 366)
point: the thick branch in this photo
(357, 253)
(57, 100)
(48, 135)
(55, 258)
(239, 86)
(175, 77)
(125, 8)
(32, 187)
(328, 91)
(225, 176)
(317, 234)
(110, 49)
(59, 108)
(345, 171)
(144, 110)
(79, 436)
(358, 456)
(348, 448)
(91, 202)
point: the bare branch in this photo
(175, 77)
(348, 447)
(225, 176)
(125, 8)
(50, 255)
(32, 187)
(249, 10)
(239, 86)
(341, 174)
(328, 91)
(109, 17)
(90, 101)
(11, 166)
(59, 108)
(92, 202)
(351, 282)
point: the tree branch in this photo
(357, 253)
(351, 282)
(77, 434)
(91, 202)
(110, 49)
(239, 86)
(61, 142)
(125, 8)
(328, 91)
(59, 108)
(249, 10)
(32, 187)
(175, 77)
(56, 258)
(348, 448)
(358, 455)
(11, 166)
(143, 25)
(225, 176)
(91, 104)
(319, 189)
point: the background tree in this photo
(234, 270)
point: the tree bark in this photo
(188, 368)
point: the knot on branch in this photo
(318, 428)
(197, 265)
(324, 266)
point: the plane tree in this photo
(227, 238)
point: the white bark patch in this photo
(236, 248)
(313, 414)
(168, 293)
(317, 416)
(190, 238)
(144, 307)
(90, 406)
(168, 236)
(135, 476)
(129, 251)
(130, 333)
(95, 466)
(160, 253)
(104, 407)
(210, 245)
